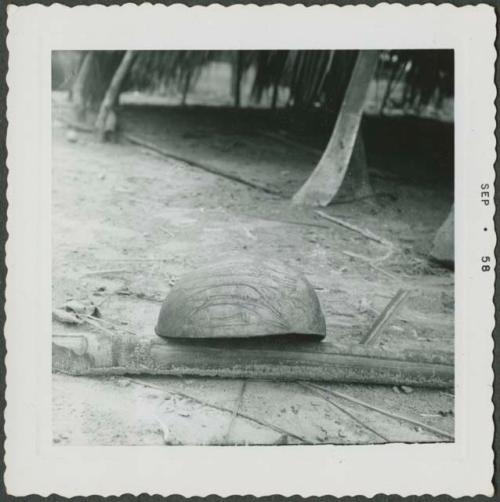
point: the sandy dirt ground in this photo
(128, 222)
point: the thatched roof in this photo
(315, 78)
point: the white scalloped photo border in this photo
(34, 465)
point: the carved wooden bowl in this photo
(242, 298)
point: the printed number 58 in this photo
(485, 260)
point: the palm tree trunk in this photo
(325, 181)
(185, 89)
(236, 78)
(274, 99)
(112, 94)
(78, 88)
(392, 78)
(358, 170)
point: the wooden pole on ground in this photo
(111, 96)
(325, 181)
(91, 354)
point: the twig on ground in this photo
(365, 233)
(287, 140)
(133, 259)
(95, 324)
(235, 412)
(449, 394)
(434, 430)
(222, 408)
(110, 323)
(364, 197)
(106, 272)
(343, 410)
(371, 263)
(141, 296)
(386, 256)
(381, 322)
(65, 317)
(164, 430)
(292, 222)
(150, 146)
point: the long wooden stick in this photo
(105, 272)
(371, 263)
(109, 323)
(287, 140)
(434, 430)
(235, 411)
(387, 314)
(150, 146)
(343, 410)
(258, 421)
(291, 222)
(292, 361)
(365, 233)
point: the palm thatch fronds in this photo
(153, 70)
(422, 75)
(312, 79)
(315, 78)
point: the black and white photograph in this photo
(253, 247)
(250, 250)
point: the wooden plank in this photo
(106, 355)
(325, 181)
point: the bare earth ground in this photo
(127, 223)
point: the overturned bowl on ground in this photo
(244, 297)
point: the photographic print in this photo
(253, 247)
(251, 250)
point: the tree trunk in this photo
(185, 89)
(236, 78)
(443, 249)
(394, 77)
(357, 180)
(274, 99)
(72, 72)
(325, 181)
(112, 94)
(78, 89)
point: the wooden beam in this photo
(92, 354)
(325, 181)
